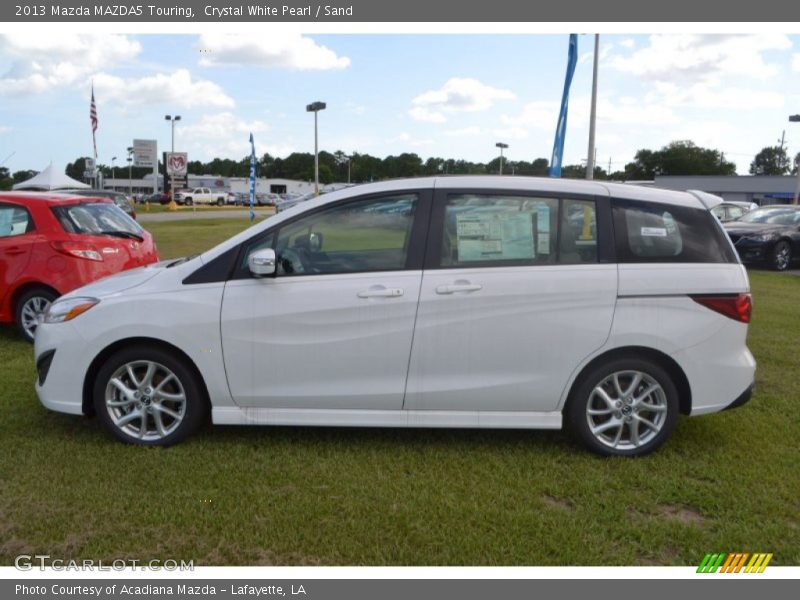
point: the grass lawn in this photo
(723, 483)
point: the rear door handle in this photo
(458, 286)
(14, 251)
(379, 291)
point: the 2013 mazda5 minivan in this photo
(500, 302)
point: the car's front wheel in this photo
(145, 396)
(624, 407)
(188, 202)
(781, 256)
(29, 307)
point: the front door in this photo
(332, 329)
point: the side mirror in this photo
(315, 242)
(262, 262)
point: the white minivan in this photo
(493, 302)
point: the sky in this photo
(445, 95)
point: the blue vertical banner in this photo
(252, 177)
(561, 127)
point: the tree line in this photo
(681, 157)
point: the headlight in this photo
(61, 311)
(761, 237)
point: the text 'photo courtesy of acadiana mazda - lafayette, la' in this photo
(471, 302)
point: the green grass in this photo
(181, 238)
(723, 483)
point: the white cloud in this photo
(701, 95)
(420, 113)
(628, 43)
(220, 126)
(456, 95)
(691, 58)
(277, 49)
(4, 129)
(540, 115)
(178, 89)
(40, 63)
(409, 140)
(464, 132)
(225, 135)
(795, 62)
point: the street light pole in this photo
(172, 120)
(130, 163)
(796, 119)
(113, 172)
(315, 107)
(502, 146)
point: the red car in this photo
(53, 243)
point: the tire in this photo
(781, 257)
(188, 201)
(148, 381)
(220, 202)
(619, 424)
(28, 307)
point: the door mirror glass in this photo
(262, 262)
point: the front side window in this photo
(14, 220)
(359, 236)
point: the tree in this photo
(795, 164)
(6, 181)
(772, 160)
(681, 157)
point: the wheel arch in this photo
(87, 402)
(28, 286)
(663, 360)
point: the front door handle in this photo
(458, 286)
(379, 291)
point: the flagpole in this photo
(590, 156)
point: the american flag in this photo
(93, 119)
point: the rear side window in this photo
(14, 220)
(94, 219)
(649, 232)
(498, 230)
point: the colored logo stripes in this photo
(735, 562)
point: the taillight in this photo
(736, 307)
(78, 250)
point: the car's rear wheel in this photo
(781, 255)
(145, 396)
(28, 307)
(625, 407)
(220, 201)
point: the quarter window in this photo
(14, 220)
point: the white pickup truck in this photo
(201, 195)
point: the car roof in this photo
(47, 197)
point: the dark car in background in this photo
(769, 235)
(117, 198)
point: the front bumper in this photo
(743, 398)
(60, 388)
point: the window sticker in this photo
(654, 232)
(543, 228)
(495, 236)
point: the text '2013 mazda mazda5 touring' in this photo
(491, 302)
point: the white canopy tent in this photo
(50, 179)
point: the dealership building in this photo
(215, 183)
(761, 189)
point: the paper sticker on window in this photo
(494, 236)
(654, 232)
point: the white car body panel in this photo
(313, 342)
(468, 346)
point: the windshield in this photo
(774, 216)
(95, 219)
